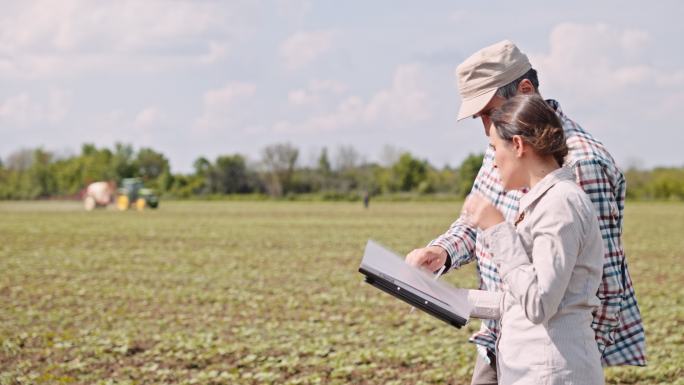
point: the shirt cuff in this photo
(450, 249)
(504, 245)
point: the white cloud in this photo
(216, 52)
(303, 48)
(405, 102)
(347, 114)
(609, 59)
(603, 76)
(43, 38)
(148, 117)
(224, 98)
(316, 91)
(220, 105)
(301, 97)
(599, 64)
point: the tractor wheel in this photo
(89, 203)
(122, 202)
(140, 204)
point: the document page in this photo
(464, 302)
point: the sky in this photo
(209, 78)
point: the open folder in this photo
(388, 272)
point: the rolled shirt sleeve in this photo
(459, 243)
(537, 281)
(460, 239)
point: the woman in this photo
(550, 260)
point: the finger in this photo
(423, 258)
(413, 258)
(435, 265)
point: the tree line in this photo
(344, 175)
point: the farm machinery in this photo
(98, 194)
(133, 194)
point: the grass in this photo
(263, 293)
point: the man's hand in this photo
(431, 258)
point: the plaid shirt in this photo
(617, 321)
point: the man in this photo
(485, 80)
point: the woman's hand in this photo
(478, 212)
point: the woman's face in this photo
(508, 160)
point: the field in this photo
(264, 293)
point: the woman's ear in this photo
(518, 145)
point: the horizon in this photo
(387, 158)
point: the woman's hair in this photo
(531, 118)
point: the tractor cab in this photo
(133, 194)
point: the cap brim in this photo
(474, 105)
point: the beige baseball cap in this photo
(480, 75)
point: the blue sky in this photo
(192, 78)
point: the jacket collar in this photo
(544, 185)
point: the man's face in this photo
(486, 112)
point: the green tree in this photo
(202, 166)
(185, 186)
(667, 183)
(42, 179)
(324, 163)
(203, 169)
(467, 173)
(409, 172)
(151, 164)
(165, 181)
(279, 162)
(19, 183)
(95, 165)
(123, 163)
(229, 175)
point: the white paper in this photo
(464, 302)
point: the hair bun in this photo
(531, 118)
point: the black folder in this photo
(388, 272)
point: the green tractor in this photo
(133, 194)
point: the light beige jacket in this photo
(551, 265)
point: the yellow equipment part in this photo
(122, 202)
(140, 204)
